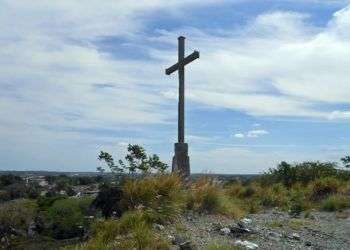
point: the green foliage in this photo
(44, 202)
(274, 196)
(137, 161)
(321, 188)
(299, 199)
(17, 213)
(205, 195)
(305, 172)
(9, 179)
(108, 159)
(221, 246)
(336, 202)
(297, 224)
(108, 201)
(346, 161)
(19, 189)
(66, 217)
(131, 231)
(16, 191)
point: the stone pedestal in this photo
(181, 161)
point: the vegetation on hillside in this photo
(124, 213)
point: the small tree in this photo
(346, 161)
(108, 159)
(137, 160)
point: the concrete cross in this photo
(181, 161)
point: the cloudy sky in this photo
(272, 83)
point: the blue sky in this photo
(272, 82)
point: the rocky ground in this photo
(268, 230)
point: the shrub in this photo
(16, 191)
(321, 188)
(9, 179)
(161, 196)
(299, 199)
(108, 201)
(248, 191)
(131, 231)
(17, 214)
(205, 195)
(44, 202)
(274, 196)
(305, 172)
(67, 218)
(336, 202)
(235, 189)
(344, 189)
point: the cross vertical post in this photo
(181, 160)
(181, 107)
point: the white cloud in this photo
(239, 135)
(278, 65)
(54, 78)
(257, 133)
(51, 69)
(339, 115)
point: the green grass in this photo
(207, 196)
(131, 231)
(297, 224)
(221, 246)
(335, 203)
(161, 196)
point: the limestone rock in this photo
(225, 231)
(246, 244)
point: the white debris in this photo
(296, 236)
(171, 238)
(246, 244)
(246, 221)
(225, 231)
(78, 195)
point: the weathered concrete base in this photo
(181, 161)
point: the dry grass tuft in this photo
(207, 195)
(162, 196)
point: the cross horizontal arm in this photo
(187, 60)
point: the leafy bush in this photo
(9, 179)
(17, 213)
(289, 174)
(108, 201)
(66, 217)
(44, 202)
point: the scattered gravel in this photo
(268, 230)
